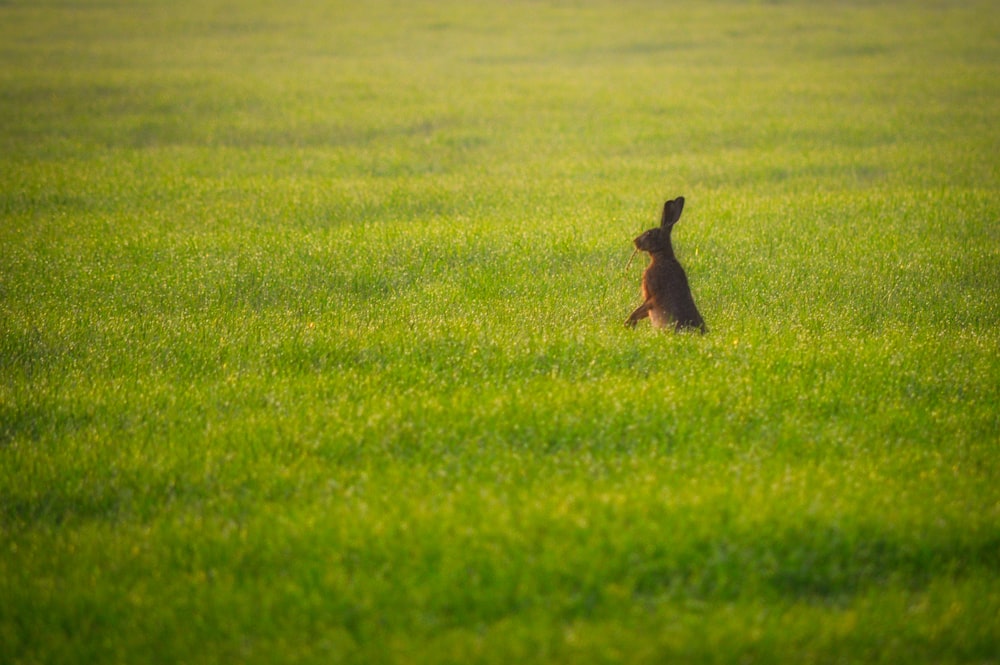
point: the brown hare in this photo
(667, 298)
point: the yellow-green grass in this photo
(312, 342)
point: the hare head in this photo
(658, 239)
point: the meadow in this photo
(312, 343)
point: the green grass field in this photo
(312, 344)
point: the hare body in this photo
(667, 299)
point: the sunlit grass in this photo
(312, 342)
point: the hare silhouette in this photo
(667, 299)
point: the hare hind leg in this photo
(660, 318)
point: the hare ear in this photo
(672, 211)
